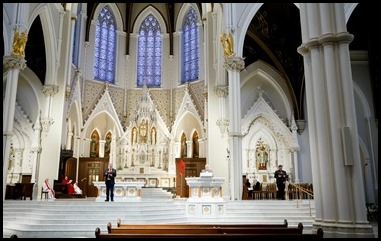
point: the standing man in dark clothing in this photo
(281, 178)
(110, 175)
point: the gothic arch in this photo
(147, 11)
(182, 13)
(115, 11)
(50, 40)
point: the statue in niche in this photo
(143, 131)
(94, 146)
(134, 136)
(153, 136)
(108, 145)
(184, 149)
(262, 156)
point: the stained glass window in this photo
(105, 46)
(149, 53)
(190, 55)
(76, 37)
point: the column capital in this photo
(14, 62)
(221, 90)
(35, 149)
(234, 63)
(344, 37)
(223, 124)
(8, 133)
(46, 123)
(326, 39)
(50, 90)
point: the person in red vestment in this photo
(70, 187)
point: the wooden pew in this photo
(165, 226)
(202, 229)
(318, 235)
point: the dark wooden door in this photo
(90, 170)
(188, 167)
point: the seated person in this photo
(70, 188)
(257, 186)
(249, 188)
(46, 187)
(248, 184)
(77, 189)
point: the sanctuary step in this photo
(155, 193)
(62, 195)
(70, 218)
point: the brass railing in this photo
(301, 192)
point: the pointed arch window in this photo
(105, 46)
(190, 48)
(76, 37)
(149, 53)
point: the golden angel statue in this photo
(19, 42)
(227, 44)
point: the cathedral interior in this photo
(144, 86)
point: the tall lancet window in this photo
(105, 47)
(190, 55)
(149, 53)
(77, 35)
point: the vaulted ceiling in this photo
(273, 37)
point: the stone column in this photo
(86, 147)
(234, 65)
(69, 139)
(13, 65)
(201, 148)
(337, 178)
(294, 154)
(189, 148)
(222, 92)
(49, 91)
(102, 150)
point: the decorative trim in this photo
(234, 63)
(50, 90)
(224, 125)
(222, 90)
(14, 62)
(46, 123)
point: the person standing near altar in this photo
(281, 177)
(206, 169)
(110, 175)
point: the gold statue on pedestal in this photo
(227, 43)
(19, 43)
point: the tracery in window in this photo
(105, 46)
(190, 48)
(76, 37)
(149, 53)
